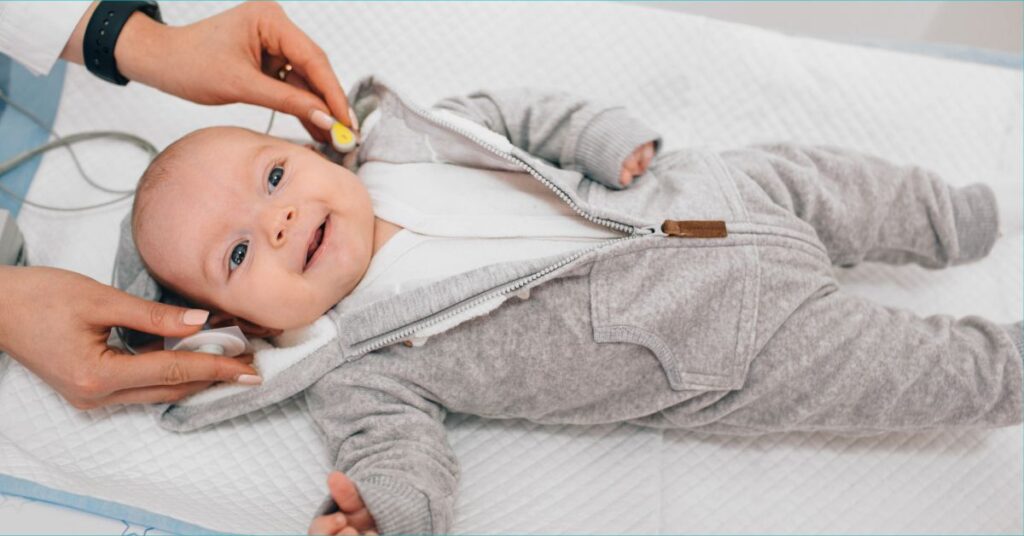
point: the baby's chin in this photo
(286, 320)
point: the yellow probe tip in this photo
(342, 138)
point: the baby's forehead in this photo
(212, 157)
(193, 174)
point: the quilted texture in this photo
(696, 81)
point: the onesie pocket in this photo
(691, 303)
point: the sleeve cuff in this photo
(34, 33)
(606, 142)
(396, 507)
(976, 217)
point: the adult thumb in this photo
(152, 317)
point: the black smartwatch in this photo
(102, 32)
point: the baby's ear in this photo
(220, 319)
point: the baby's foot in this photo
(976, 219)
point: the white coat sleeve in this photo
(34, 33)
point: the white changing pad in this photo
(697, 81)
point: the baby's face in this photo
(256, 227)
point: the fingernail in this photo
(195, 317)
(321, 119)
(353, 118)
(340, 518)
(249, 379)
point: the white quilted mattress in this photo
(697, 81)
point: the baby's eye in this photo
(274, 178)
(237, 255)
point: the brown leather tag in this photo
(695, 228)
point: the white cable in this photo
(66, 143)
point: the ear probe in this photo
(229, 341)
(342, 139)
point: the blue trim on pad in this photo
(30, 490)
(38, 94)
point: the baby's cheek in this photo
(298, 303)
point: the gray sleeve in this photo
(391, 443)
(561, 128)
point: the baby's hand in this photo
(353, 518)
(636, 163)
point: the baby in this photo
(564, 275)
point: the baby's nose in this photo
(280, 220)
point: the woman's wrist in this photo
(141, 42)
(73, 48)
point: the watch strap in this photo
(102, 32)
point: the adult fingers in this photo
(286, 98)
(317, 132)
(344, 492)
(281, 37)
(175, 368)
(349, 531)
(117, 308)
(163, 394)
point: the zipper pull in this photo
(695, 228)
(415, 342)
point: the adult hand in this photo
(230, 57)
(56, 323)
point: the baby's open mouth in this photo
(314, 244)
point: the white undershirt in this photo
(456, 219)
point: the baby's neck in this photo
(383, 230)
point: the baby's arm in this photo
(603, 142)
(390, 442)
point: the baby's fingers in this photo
(329, 525)
(625, 177)
(361, 520)
(630, 168)
(344, 492)
(647, 157)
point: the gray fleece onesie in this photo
(715, 310)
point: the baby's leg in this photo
(841, 363)
(865, 208)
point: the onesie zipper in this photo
(408, 330)
(685, 229)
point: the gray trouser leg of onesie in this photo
(842, 363)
